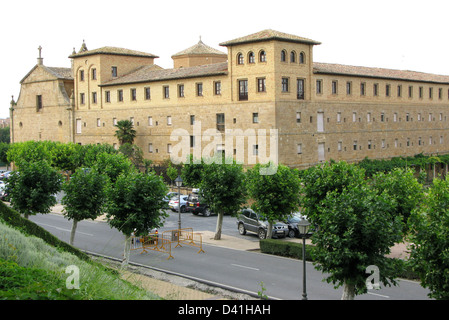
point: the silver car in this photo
(173, 204)
(248, 220)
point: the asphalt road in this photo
(230, 268)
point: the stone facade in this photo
(267, 81)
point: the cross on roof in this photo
(40, 50)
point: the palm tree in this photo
(125, 132)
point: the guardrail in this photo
(152, 241)
(184, 236)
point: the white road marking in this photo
(240, 266)
(62, 229)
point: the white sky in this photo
(396, 34)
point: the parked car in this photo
(5, 175)
(196, 205)
(292, 222)
(174, 203)
(169, 196)
(248, 220)
(4, 191)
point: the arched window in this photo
(262, 56)
(283, 56)
(302, 58)
(251, 58)
(240, 58)
(293, 56)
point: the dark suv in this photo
(195, 204)
(248, 220)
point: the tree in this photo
(85, 197)
(356, 228)
(113, 165)
(172, 172)
(192, 172)
(33, 186)
(223, 189)
(125, 132)
(135, 205)
(403, 188)
(429, 238)
(275, 196)
(135, 154)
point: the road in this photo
(230, 268)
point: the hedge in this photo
(13, 218)
(285, 248)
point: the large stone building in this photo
(211, 101)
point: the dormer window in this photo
(251, 58)
(262, 56)
(302, 58)
(293, 56)
(240, 58)
(283, 56)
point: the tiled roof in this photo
(113, 51)
(61, 73)
(199, 48)
(155, 73)
(339, 69)
(266, 35)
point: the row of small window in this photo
(262, 87)
(376, 90)
(93, 73)
(371, 146)
(293, 57)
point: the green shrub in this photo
(285, 248)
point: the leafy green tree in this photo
(223, 189)
(275, 196)
(5, 135)
(429, 238)
(33, 186)
(402, 187)
(113, 165)
(66, 156)
(135, 154)
(172, 172)
(356, 228)
(4, 147)
(125, 132)
(135, 205)
(192, 172)
(29, 151)
(85, 197)
(88, 153)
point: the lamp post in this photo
(178, 182)
(303, 227)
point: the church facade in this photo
(264, 99)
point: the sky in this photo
(395, 34)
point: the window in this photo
(283, 56)
(261, 85)
(376, 89)
(399, 91)
(81, 75)
(302, 58)
(114, 72)
(369, 144)
(407, 117)
(166, 90)
(382, 117)
(94, 74)
(240, 59)
(410, 91)
(150, 120)
(150, 148)
(78, 125)
(348, 88)
(192, 120)
(82, 98)
(354, 146)
(169, 148)
(440, 93)
(255, 149)
(262, 56)
(354, 117)
(387, 90)
(147, 93)
(395, 117)
(107, 96)
(334, 87)
(181, 91)
(133, 95)
(192, 141)
(293, 56)
(420, 90)
(169, 121)
(320, 122)
(94, 97)
(430, 93)
(284, 84)
(120, 95)
(132, 120)
(299, 148)
(319, 86)
(114, 121)
(39, 103)
(363, 89)
(251, 58)
(339, 146)
(98, 122)
(338, 116)
(255, 117)
(217, 88)
(298, 117)
(243, 90)
(199, 89)
(221, 122)
(368, 117)
(419, 116)
(300, 89)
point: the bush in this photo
(13, 218)
(285, 248)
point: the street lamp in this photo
(303, 227)
(178, 182)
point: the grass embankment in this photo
(33, 266)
